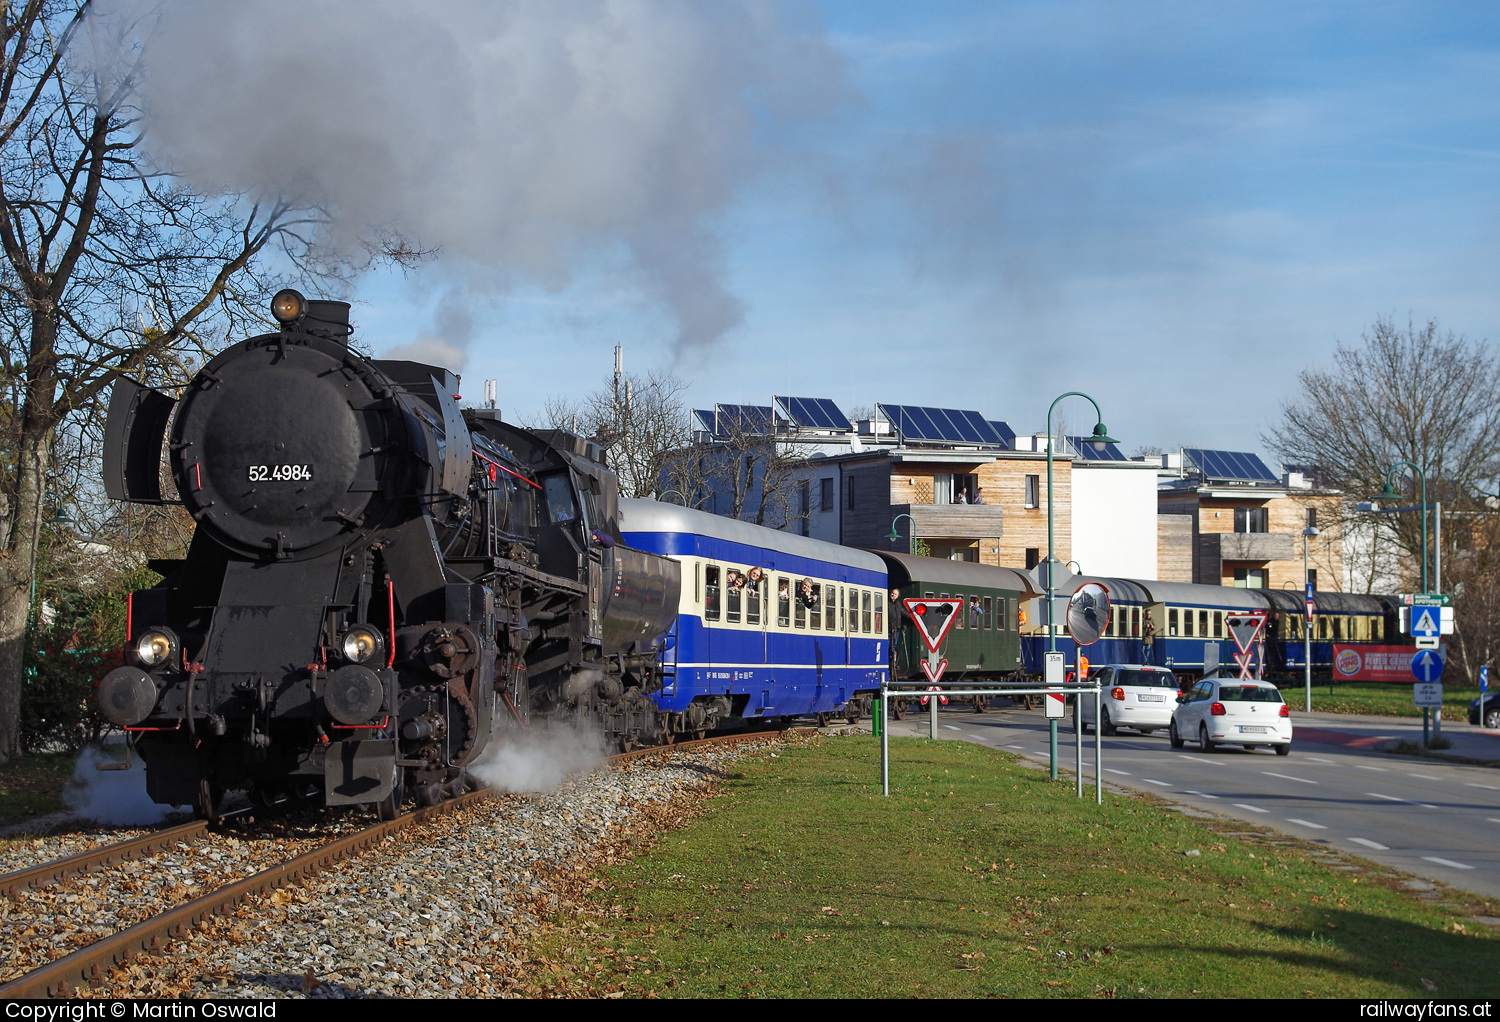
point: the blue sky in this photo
(1174, 207)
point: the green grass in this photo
(978, 877)
(32, 785)
(1380, 698)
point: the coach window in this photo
(1218, 624)
(1172, 621)
(1338, 629)
(711, 592)
(752, 604)
(985, 621)
(864, 611)
(831, 609)
(784, 602)
(733, 598)
(817, 607)
(963, 610)
(801, 612)
(1187, 622)
(697, 584)
(1135, 622)
(879, 605)
(1203, 623)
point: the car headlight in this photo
(362, 644)
(155, 647)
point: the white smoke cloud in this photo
(539, 758)
(113, 797)
(515, 136)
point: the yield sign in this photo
(935, 688)
(934, 671)
(933, 618)
(1245, 627)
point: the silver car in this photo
(1132, 695)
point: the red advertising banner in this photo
(1373, 663)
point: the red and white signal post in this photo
(934, 619)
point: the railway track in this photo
(83, 966)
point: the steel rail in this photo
(57, 978)
(12, 884)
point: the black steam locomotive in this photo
(377, 580)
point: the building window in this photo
(1250, 578)
(1033, 491)
(1312, 577)
(1033, 557)
(825, 487)
(1312, 518)
(849, 489)
(1249, 519)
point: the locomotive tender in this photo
(375, 576)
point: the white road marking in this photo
(1487, 787)
(1022, 747)
(1287, 777)
(1253, 809)
(1305, 823)
(1202, 794)
(1199, 759)
(1318, 759)
(1148, 780)
(1493, 819)
(1370, 844)
(1112, 770)
(950, 727)
(1361, 767)
(1447, 862)
(1425, 777)
(1393, 798)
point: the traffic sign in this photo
(1088, 613)
(935, 688)
(1426, 622)
(1054, 705)
(1245, 627)
(933, 617)
(934, 671)
(1427, 695)
(1311, 606)
(1431, 600)
(1427, 666)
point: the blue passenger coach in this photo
(769, 624)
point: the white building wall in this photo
(1114, 518)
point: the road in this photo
(1430, 818)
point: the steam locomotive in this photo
(377, 579)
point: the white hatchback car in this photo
(1132, 695)
(1232, 712)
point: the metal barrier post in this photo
(885, 745)
(1098, 750)
(1078, 745)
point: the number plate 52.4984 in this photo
(280, 473)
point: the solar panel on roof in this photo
(754, 419)
(1111, 452)
(812, 412)
(941, 425)
(1236, 465)
(703, 420)
(1007, 435)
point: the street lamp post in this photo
(1307, 533)
(911, 533)
(1391, 494)
(1099, 439)
(664, 493)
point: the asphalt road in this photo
(1430, 818)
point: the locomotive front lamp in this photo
(360, 644)
(288, 306)
(155, 647)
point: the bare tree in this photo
(1411, 394)
(639, 421)
(743, 473)
(110, 267)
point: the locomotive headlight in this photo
(157, 646)
(288, 306)
(361, 644)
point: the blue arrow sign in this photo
(1427, 666)
(1424, 623)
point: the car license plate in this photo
(1246, 729)
(1150, 697)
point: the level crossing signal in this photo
(933, 617)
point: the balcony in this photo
(1248, 546)
(957, 521)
